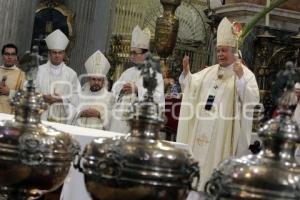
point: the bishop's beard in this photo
(95, 88)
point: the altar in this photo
(74, 188)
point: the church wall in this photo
(17, 18)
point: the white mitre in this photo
(97, 64)
(57, 40)
(225, 36)
(140, 38)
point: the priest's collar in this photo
(8, 68)
(56, 69)
(228, 67)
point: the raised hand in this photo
(90, 112)
(4, 90)
(129, 88)
(186, 65)
(51, 99)
(238, 68)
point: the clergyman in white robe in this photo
(57, 82)
(129, 88)
(217, 108)
(95, 102)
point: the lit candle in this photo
(267, 15)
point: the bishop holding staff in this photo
(216, 111)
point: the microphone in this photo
(4, 78)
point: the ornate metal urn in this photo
(34, 158)
(138, 166)
(166, 29)
(273, 174)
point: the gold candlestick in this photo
(166, 31)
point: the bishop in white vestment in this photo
(129, 88)
(57, 82)
(217, 108)
(95, 102)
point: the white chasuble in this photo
(218, 132)
(101, 101)
(61, 81)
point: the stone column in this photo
(92, 29)
(17, 18)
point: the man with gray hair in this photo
(215, 120)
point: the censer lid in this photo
(272, 174)
(34, 158)
(28, 101)
(26, 131)
(139, 161)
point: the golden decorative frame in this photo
(54, 4)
